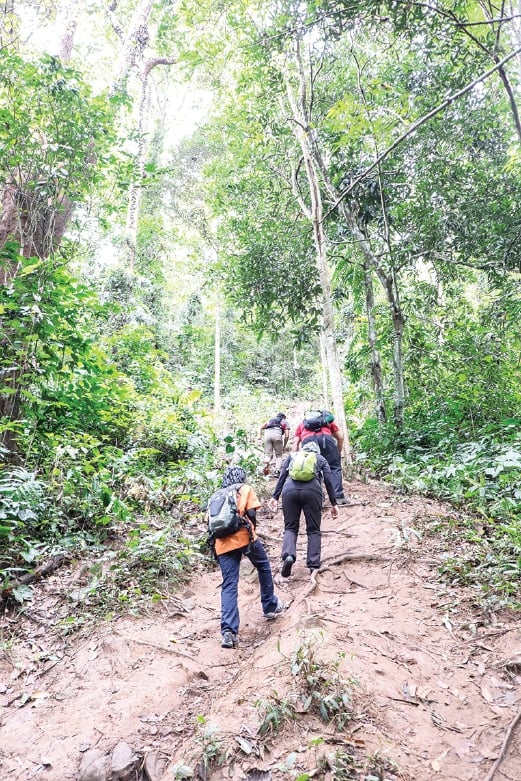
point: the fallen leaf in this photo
(486, 694)
(245, 745)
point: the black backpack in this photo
(223, 517)
(274, 423)
(314, 420)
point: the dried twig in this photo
(502, 752)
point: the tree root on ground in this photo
(25, 580)
(332, 562)
(502, 752)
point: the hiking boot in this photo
(286, 566)
(341, 500)
(281, 607)
(229, 640)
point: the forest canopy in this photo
(210, 209)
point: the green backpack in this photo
(303, 466)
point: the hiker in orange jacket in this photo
(229, 552)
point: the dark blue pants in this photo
(230, 566)
(294, 502)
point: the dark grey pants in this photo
(309, 501)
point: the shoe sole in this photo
(287, 566)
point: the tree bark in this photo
(135, 188)
(301, 128)
(376, 364)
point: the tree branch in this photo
(419, 123)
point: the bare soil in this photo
(432, 683)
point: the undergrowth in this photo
(320, 694)
(480, 475)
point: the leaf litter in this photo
(430, 685)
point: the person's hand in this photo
(273, 505)
(334, 512)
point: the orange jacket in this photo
(246, 500)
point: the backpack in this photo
(303, 466)
(314, 420)
(223, 517)
(274, 423)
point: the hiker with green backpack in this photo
(300, 484)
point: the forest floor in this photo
(423, 683)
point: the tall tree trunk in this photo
(376, 364)
(323, 362)
(135, 189)
(217, 366)
(301, 128)
(388, 282)
(134, 41)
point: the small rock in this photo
(123, 761)
(93, 766)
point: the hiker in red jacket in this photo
(276, 434)
(319, 426)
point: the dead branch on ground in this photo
(502, 752)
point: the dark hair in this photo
(280, 415)
(233, 475)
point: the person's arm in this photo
(251, 514)
(339, 440)
(284, 471)
(326, 471)
(296, 443)
(285, 433)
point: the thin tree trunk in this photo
(388, 283)
(301, 129)
(323, 361)
(217, 365)
(135, 189)
(376, 364)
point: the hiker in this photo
(301, 489)
(276, 435)
(229, 551)
(319, 426)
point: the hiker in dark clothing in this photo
(298, 497)
(330, 441)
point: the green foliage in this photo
(324, 690)
(480, 474)
(274, 713)
(52, 128)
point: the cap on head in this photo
(311, 447)
(233, 474)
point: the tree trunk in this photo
(302, 131)
(376, 364)
(323, 362)
(134, 41)
(217, 366)
(135, 189)
(389, 285)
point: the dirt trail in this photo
(435, 696)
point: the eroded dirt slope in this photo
(436, 692)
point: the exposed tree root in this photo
(506, 741)
(25, 580)
(332, 562)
